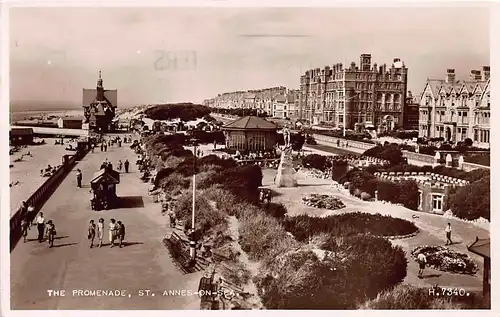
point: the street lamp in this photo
(192, 238)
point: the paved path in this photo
(431, 227)
(71, 265)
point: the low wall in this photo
(40, 196)
(355, 144)
(418, 157)
(466, 166)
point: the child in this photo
(51, 232)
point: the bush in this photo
(472, 201)
(276, 210)
(390, 152)
(207, 217)
(478, 159)
(303, 227)
(182, 111)
(242, 181)
(340, 168)
(300, 280)
(403, 192)
(406, 297)
(316, 161)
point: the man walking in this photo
(121, 233)
(25, 226)
(40, 223)
(448, 234)
(126, 164)
(51, 232)
(79, 178)
(422, 261)
(91, 235)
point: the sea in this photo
(25, 115)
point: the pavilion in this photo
(250, 133)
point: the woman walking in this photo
(120, 164)
(112, 232)
(91, 234)
(25, 226)
(51, 232)
(121, 233)
(100, 231)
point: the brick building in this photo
(411, 114)
(366, 94)
(434, 189)
(456, 110)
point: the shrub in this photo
(262, 236)
(276, 210)
(183, 111)
(403, 192)
(300, 280)
(316, 161)
(303, 227)
(406, 297)
(390, 152)
(340, 168)
(207, 217)
(243, 181)
(478, 159)
(174, 182)
(472, 201)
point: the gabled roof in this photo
(480, 247)
(479, 87)
(251, 123)
(434, 85)
(106, 176)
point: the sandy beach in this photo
(27, 171)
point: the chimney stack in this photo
(485, 74)
(475, 75)
(450, 76)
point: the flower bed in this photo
(444, 259)
(323, 201)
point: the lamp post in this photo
(192, 241)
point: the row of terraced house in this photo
(371, 96)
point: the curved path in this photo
(71, 265)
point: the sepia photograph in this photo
(249, 158)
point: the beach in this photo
(27, 171)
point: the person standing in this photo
(40, 223)
(121, 232)
(126, 165)
(100, 231)
(422, 261)
(112, 232)
(102, 147)
(120, 164)
(51, 232)
(79, 178)
(448, 234)
(91, 234)
(25, 226)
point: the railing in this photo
(466, 166)
(40, 196)
(418, 157)
(355, 144)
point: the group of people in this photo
(116, 231)
(46, 229)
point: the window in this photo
(437, 202)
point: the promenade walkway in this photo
(143, 263)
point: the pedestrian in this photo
(100, 231)
(121, 232)
(25, 226)
(110, 166)
(422, 261)
(102, 147)
(51, 232)
(24, 208)
(126, 164)
(105, 146)
(448, 234)
(79, 178)
(91, 234)
(40, 223)
(112, 232)
(120, 164)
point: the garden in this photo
(323, 201)
(444, 259)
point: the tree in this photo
(468, 142)
(472, 201)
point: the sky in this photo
(159, 55)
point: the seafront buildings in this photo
(364, 95)
(456, 110)
(99, 107)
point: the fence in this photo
(424, 158)
(40, 196)
(355, 144)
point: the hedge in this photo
(183, 111)
(403, 192)
(303, 227)
(390, 152)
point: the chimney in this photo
(450, 76)
(485, 74)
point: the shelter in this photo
(21, 136)
(482, 247)
(70, 122)
(103, 185)
(250, 133)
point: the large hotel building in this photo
(364, 95)
(456, 110)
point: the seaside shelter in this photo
(21, 136)
(103, 185)
(70, 122)
(250, 134)
(481, 247)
